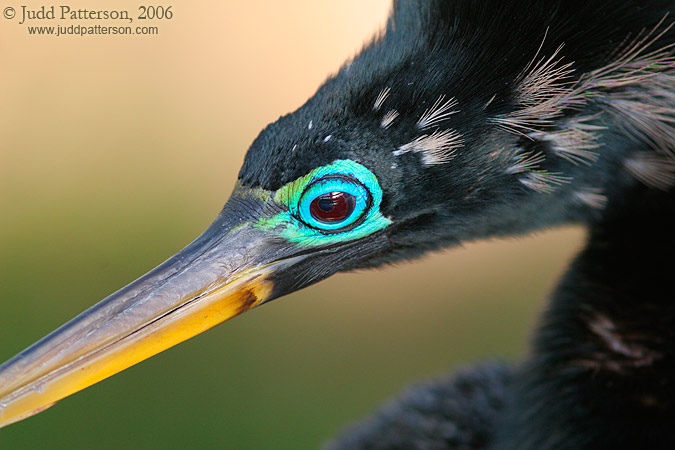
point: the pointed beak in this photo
(223, 273)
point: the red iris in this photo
(332, 207)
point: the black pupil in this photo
(326, 204)
(332, 207)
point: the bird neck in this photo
(602, 369)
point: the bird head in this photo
(439, 132)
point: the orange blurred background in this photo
(116, 151)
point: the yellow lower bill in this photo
(199, 313)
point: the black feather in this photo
(458, 412)
(601, 371)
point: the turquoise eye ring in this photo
(343, 184)
(334, 204)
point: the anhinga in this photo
(465, 119)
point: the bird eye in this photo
(333, 203)
(332, 207)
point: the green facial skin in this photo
(288, 225)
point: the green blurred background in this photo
(115, 151)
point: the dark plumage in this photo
(459, 413)
(599, 375)
(472, 52)
(463, 120)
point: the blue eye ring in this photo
(296, 224)
(349, 187)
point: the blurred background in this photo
(116, 151)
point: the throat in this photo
(602, 369)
